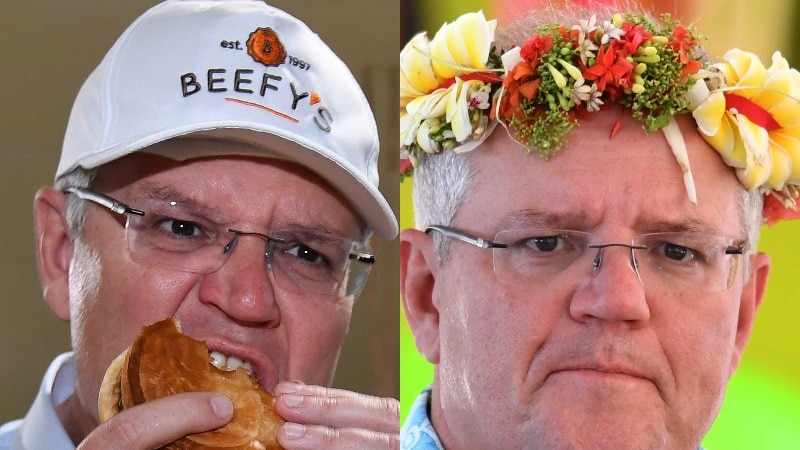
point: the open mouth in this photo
(229, 363)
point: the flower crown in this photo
(455, 88)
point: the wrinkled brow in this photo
(187, 202)
(323, 228)
(535, 218)
(682, 224)
(580, 221)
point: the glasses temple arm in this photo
(365, 258)
(455, 234)
(104, 200)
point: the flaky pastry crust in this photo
(163, 361)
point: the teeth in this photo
(234, 362)
(229, 363)
(217, 359)
(246, 366)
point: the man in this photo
(601, 295)
(245, 155)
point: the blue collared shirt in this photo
(417, 432)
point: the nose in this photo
(614, 292)
(243, 287)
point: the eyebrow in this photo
(574, 220)
(686, 224)
(189, 203)
(318, 228)
(535, 218)
(195, 206)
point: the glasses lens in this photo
(361, 261)
(678, 263)
(319, 263)
(685, 262)
(537, 255)
(171, 235)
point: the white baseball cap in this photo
(231, 69)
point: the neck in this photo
(438, 420)
(77, 422)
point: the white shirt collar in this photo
(41, 427)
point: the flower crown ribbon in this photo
(456, 87)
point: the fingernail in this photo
(292, 386)
(294, 430)
(292, 399)
(222, 406)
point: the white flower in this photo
(580, 92)
(586, 26)
(458, 106)
(583, 93)
(586, 50)
(479, 99)
(610, 31)
(586, 47)
(594, 102)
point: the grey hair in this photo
(76, 209)
(442, 180)
(441, 183)
(751, 216)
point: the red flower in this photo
(533, 48)
(775, 211)
(682, 44)
(522, 81)
(610, 68)
(405, 163)
(568, 34)
(633, 38)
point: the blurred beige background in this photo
(47, 49)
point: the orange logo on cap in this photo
(265, 47)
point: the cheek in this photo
(315, 334)
(110, 300)
(489, 336)
(699, 349)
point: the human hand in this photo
(157, 423)
(325, 418)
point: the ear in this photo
(53, 249)
(752, 295)
(418, 266)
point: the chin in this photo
(588, 425)
(602, 435)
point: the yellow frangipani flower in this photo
(431, 90)
(417, 77)
(752, 120)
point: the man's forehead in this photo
(226, 186)
(580, 219)
(596, 177)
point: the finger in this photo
(336, 408)
(159, 422)
(295, 436)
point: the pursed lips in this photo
(601, 370)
